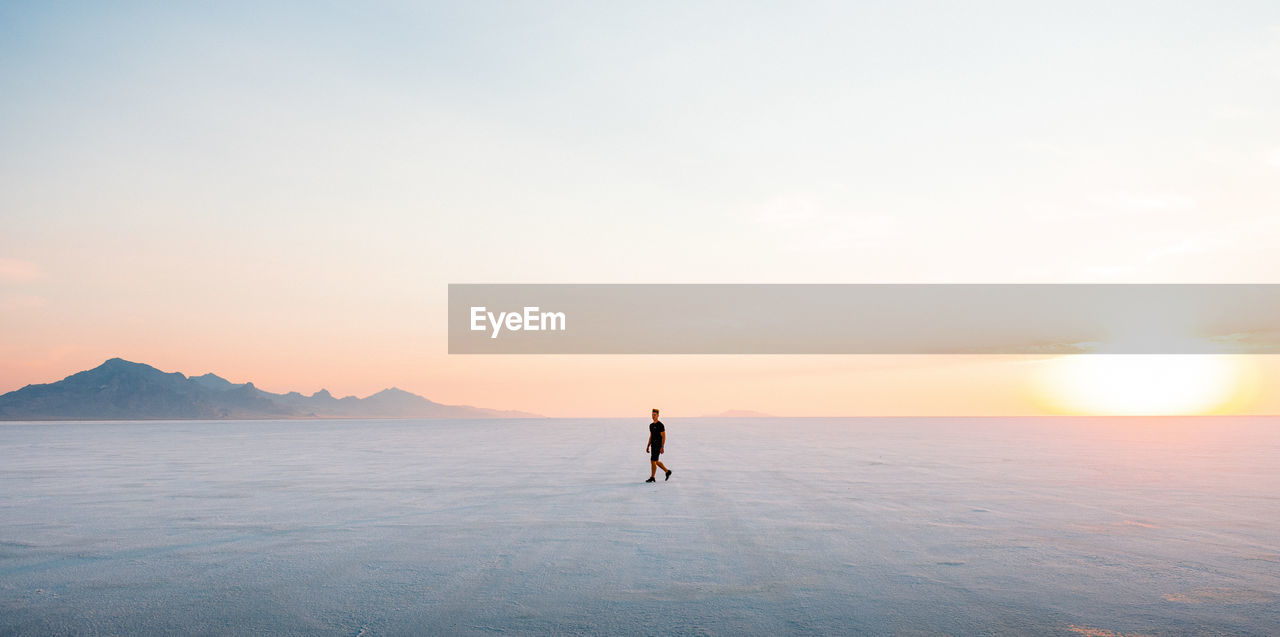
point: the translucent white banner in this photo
(863, 318)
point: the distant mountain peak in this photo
(741, 413)
(213, 381)
(120, 363)
(119, 367)
(394, 397)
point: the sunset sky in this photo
(282, 194)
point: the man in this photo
(657, 444)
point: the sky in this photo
(281, 194)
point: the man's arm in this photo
(664, 442)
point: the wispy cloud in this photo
(1108, 204)
(22, 302)
(1235, 114)
(1143, 201)
(1273, 157)
(18, 271)
(806, 223)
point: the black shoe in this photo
(668, 476)
(650, 479)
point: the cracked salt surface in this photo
(1068, 526)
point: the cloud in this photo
(1235, 113)
(1112, 204)
(22, 302)
(16, 271)
(805, 223)
(1143, 201)
(1273, 158)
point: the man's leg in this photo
(653, 468)
(660, 465)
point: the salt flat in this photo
(1051, 526)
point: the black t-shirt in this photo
(655, 433)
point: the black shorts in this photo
(655, 450)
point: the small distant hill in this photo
(740, 413)
(122, 390)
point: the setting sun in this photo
(1135, 384)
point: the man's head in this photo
(655, 415)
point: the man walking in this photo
(657, 444)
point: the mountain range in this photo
(122, 390)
